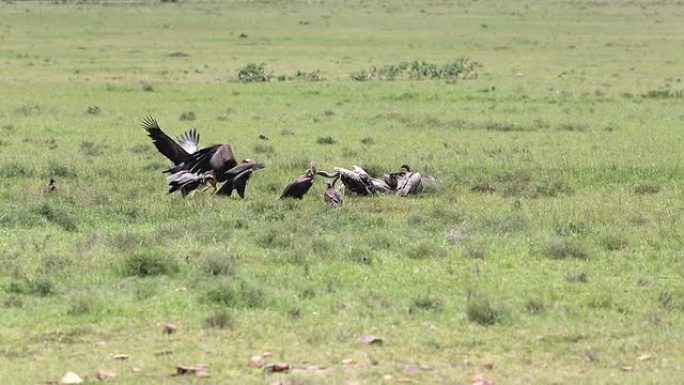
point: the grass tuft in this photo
(219, 319)
(565, 248)
(148, 262)
(219, 263)
(480, 310)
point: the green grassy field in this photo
(549, 252)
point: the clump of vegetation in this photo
(82, 304)
(326, 140)
(93, 110)
(663, 94)
(264, 149)
(452, 71)
(220, 319)
(41, 286)
(30, 109)
(368, 141)
(481, 310)
(148, 262)
(57, 215)
(614, 241)
(360, 75)
(147, 87)
(236, 294)
(425, 303)
(91, 148)
(424, 250)
(187, 116)
(312, 76)
(253, 72)
(565, 248)
(535, 306)
(647, 188)
(59, 170)
(219, 263)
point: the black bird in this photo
(332, 196)
(187, 182)
(236, 178)
(186, 154)
(300, 186)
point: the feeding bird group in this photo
(194, 168)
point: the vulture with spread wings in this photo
(186, 154)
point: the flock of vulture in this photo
(203, 168)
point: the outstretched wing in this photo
(189, 141)
(167, 146)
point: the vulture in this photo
(50, 187)
(186, 154)
(357, 180)
(299, 186)
(332, 196)
(404, 182)
(187, 182)
(236, 178)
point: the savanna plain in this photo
(549, 251)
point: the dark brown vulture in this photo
(187, 182)
(332, 196)
(50, 187)
(357, 180)
(236, 178)
(186, 154)
(299, 186)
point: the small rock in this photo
(70, 378)
(104, 374)
(120, 357)
(170, 328)
(627, 368)
(347, 361)
(645, 357)
(266, 354)
(101, 344)
(38, 357)
(371, 340)
(387, 377)
(256, 361)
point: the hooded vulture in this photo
(300, 186)
(332, 196)
(236, 178)
(357, 180)
(186, 154)
(187, 182)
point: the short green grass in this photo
(550, 250)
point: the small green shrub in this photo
(220, 319)
(647, 188)
(41, 286)
(425, 303)
(564, 248)
(149, 262)
(424, 250)
(187, 116)
(236, 294)
(535, 306)
(57, 215)
(480, 310)
(219, 263)
(326, 140)
(253, 72)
